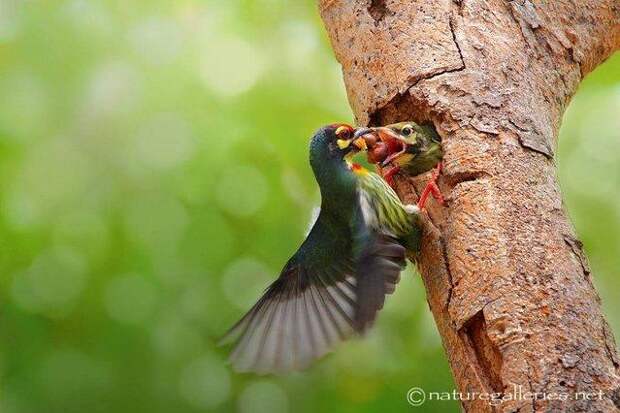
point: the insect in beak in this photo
(360, 143)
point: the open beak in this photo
(359, 140)
(380, 132)
(360, 132)
(353, 145)
(386, 133)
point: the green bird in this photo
(337, 281)
(404, 146)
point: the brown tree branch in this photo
(506, 278)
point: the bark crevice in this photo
(486, 355)
(454, 39)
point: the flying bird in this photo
(337, 281)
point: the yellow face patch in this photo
(343, 144)
(404, 159)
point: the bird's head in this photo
(331, 149)
(409, 132)
(382, 141)
(333, 142)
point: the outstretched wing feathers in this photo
(379, 267)
(330, 289)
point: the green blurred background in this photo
(154, 178)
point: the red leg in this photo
(431, 188)
(389, 175)
(434, 187)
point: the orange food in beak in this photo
(360, 143)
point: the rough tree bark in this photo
(506, 278)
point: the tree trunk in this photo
(506, 278)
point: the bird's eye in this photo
(343, 132)
(406, 130)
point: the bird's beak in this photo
(360, 132)
(386, 133)
(358, 138)
(380, 132)
(358, 144)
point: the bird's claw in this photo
(389, 175)
(432, 188)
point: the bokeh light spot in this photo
(52, 284)
(82, 230)
(231, 66)
(205, 383)
(130, 299)
(166, 141)
(242, 190)
(300, 45)
(115, 88)
(158, 40)
(209, 241)
(174, 338)
(294, 187)
(263, 397)
(88, 16)
(54, 173)
(156, 222)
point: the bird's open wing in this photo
(379, 263)
(306, 311)
(331, 288)
(378, 255)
